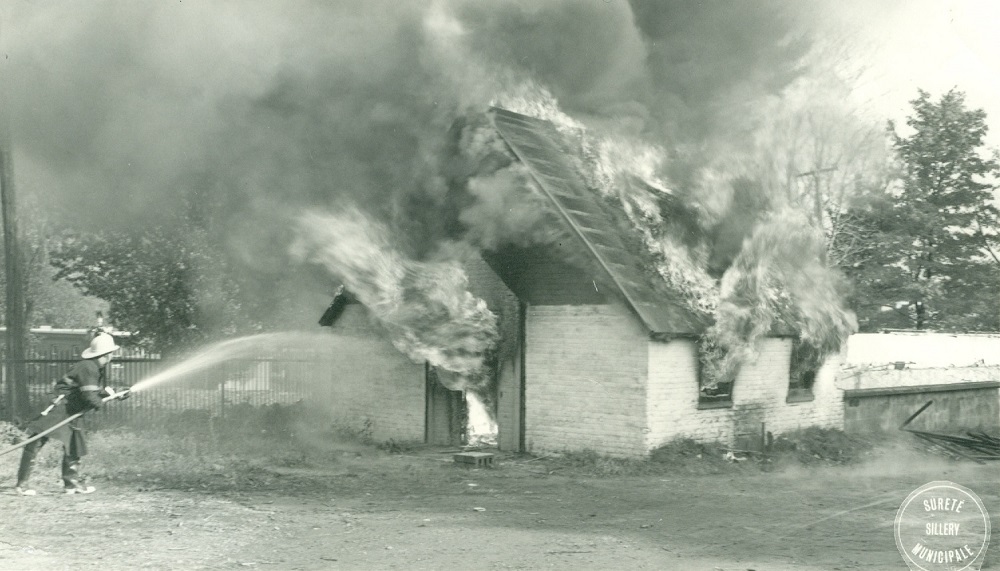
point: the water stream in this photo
(250, 345)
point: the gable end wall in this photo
(585, 384)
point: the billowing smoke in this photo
(499, 202)
(778, 283)
(259, 121)
(425, 306)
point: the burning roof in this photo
(538, 145)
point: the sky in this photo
(125, 76)
(933, 45)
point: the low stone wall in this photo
(955, 408)
(889, 376)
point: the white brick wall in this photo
(594, 381)
(673, 397)
(585, 384)
(759, 395)
(374, 387)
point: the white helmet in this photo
(100, 345)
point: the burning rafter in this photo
(536, 144)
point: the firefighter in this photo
(80, 390)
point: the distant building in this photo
(51, 341)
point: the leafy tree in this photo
(820, 150)
(930, 269)
(48, 301)
(163, 285)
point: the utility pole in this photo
(15, 371)
(817, 198)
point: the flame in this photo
(425, 306)
(779, 281)
(625, 171)
(530, 98)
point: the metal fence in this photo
(214, 390)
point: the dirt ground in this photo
(369, 509)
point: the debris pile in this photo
(975, 445)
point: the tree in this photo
(819, 151)
(48, 301)
(930, 269)
(163, 284)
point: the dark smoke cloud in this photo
(243, 115)
(127, 107)
(711, 61)
(590, 55)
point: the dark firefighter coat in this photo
(81, 391)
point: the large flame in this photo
(779, 283)
(425, 306)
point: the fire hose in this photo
(61, 423)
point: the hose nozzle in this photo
(53, 404)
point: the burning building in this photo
(381, 393)
(332, 111)
(605, 359)
(589, 349)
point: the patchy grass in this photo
(393, 446)
(686, 450)
(686, 456)
(591, 463)
(682, 456)
(266, 447)
(192, 450)
(821, 446)
(209, 456)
